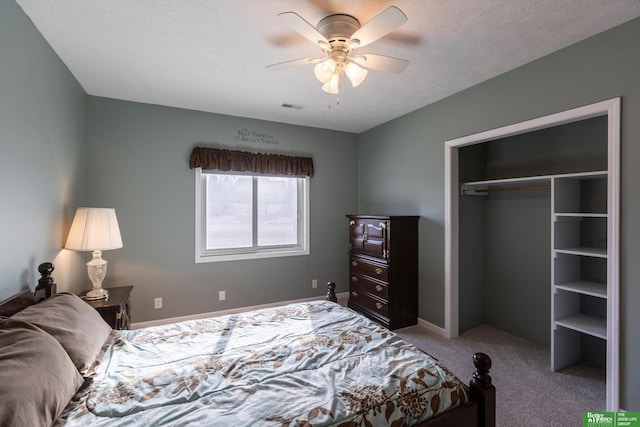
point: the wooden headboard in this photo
(46, 287)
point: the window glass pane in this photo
(245, 216)
(277, 211)
(229, 211)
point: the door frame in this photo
(610, 108)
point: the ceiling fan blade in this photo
(381, 25)
(381, 62)
(295, 62)
(302, 27)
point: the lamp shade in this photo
(324, 70)
(333, 85)
(355, 73)
(94, 229)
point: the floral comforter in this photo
(308, 364)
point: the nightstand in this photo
(115, 310)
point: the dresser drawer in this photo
(364, 268)
(371, 303)
(363, 283)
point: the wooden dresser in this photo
(383, 268)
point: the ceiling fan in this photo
(338, 36)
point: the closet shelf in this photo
(521, 183)
(584, 287)
(586, 324)
(592, 252)
(579, 215)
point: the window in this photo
(249, 215)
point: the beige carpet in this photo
(528, 393)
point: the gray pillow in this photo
(76, 325)
(37, 377)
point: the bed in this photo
(305, 364)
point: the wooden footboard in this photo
(479, 411)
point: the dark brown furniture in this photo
(383, 268)
(45, 288)
(115, 310)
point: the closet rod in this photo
(521, 188)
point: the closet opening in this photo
(531, 235)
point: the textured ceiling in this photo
(210, 55)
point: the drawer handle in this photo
(354, 293)
(352, 222)
(354, 279)
(378, 271)
(354, 263)
(378, 288)
(378, 305)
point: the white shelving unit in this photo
(579, 259)
(579, 256)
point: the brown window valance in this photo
(241, 161)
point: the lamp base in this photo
(97, 269)
(97, 294)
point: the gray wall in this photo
(42, 119)
(411, 149)
(518, 255)
(138, 163)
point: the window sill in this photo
(252, 255)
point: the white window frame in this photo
(203, 255)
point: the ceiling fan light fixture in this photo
(338, 35)
(333, 85)
(355, 73)
(324, 70)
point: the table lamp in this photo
(95, 230)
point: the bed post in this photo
(45, 288)
(482, 391)
(331, 292)
(46, 282)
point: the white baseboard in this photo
(342, 298)
(431, 327)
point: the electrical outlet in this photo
(222, 295)
(314, 283)
(157, 303)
